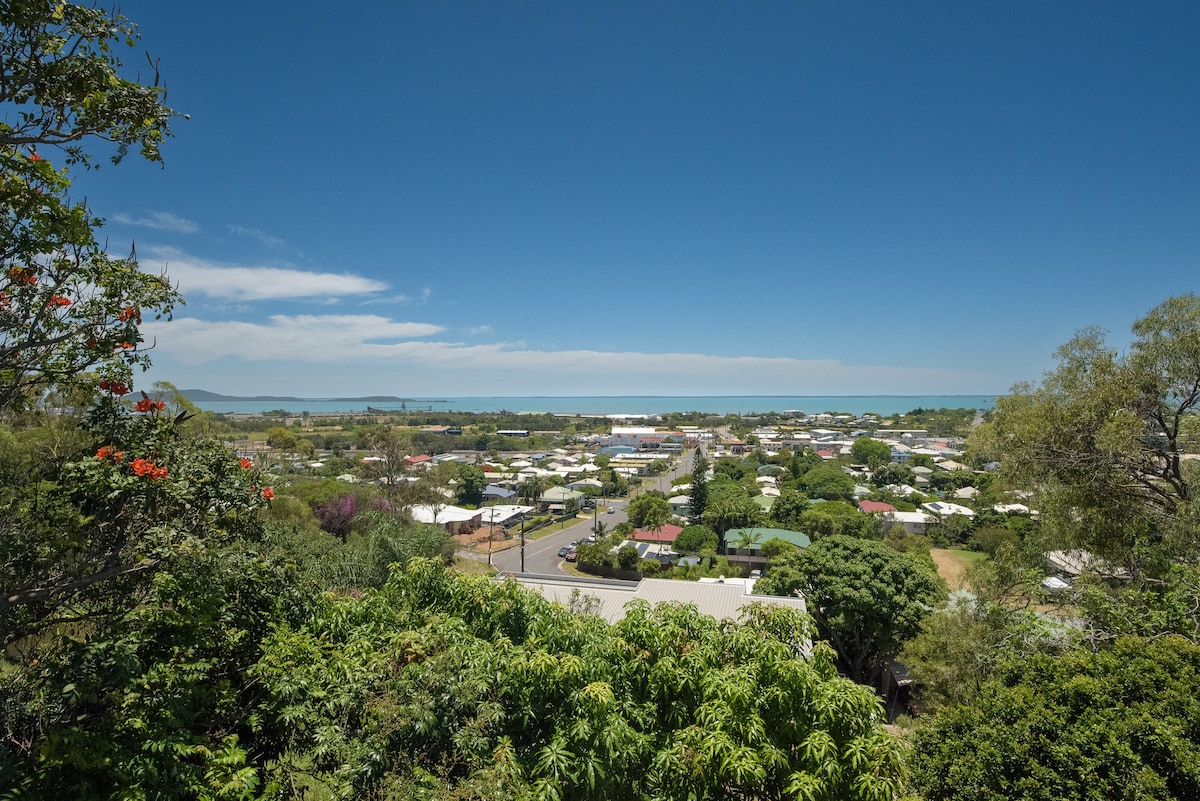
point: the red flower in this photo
(126, 345)
(21, 275)
(130, 313)
(142, 466)
(34, 157)
(59, 300)
(245, 463)
(118, 389)
(147, 405)
(267, 493)
(105, 452)
(157, 473)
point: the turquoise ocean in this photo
(621, 404)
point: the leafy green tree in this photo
(698, 494)
(462, 686)
(960, 648)
(1118, 723)
(870, 452)
(892, 474)
(696, 539)
(65, 304)
(866, 598)
(627, 557)
(776, 547)
(828, 481)
(726, 512)
(1102, 441)
(471, 483)
(119, 515)
(788, 509)
(649, 511)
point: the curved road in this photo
(541, 555)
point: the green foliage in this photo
(729, 510)
(649, 511)
(695, 540)
(866, 598)
(1120, 723)
(776, 547)
(627, 557)
(465, 683)
(1101, 439)
(383, 540)
(828, 481)
(892, 474)
(65, 304)
(145, 499)
(788, 509)
(698, 495)
(959, 648)
(870, 452)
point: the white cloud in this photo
(159, 221)
(307, 338)
(366, 352)
(243, 282)
(261, 236)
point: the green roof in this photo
(797, 538)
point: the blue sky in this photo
(658, 198)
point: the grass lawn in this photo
(952, 563)
(473, 567)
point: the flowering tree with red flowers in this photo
(145, 498)
(66, 305)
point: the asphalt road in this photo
(541, 555)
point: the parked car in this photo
(571, 555)
(612, 510)
(563, 551)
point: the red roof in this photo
(825, 454)
(874, 507)
(667, 533)
(417, 459)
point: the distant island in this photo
(204, 396)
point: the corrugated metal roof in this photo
(722, 601)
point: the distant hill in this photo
(205, 396)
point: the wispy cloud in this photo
(159, 221)
(309, 338)
(366, 348)
(409, 300)
(260, 236)
(252, 282)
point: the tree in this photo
(892, 474)
(828, 481)
(142, 500)
(468, 688)
(866, 598)
(787, 509)
(699, 492)
(471, 483)
(65, 304)
(1118, 723)
(627, 557)
(1102, 441)
(870, 452)
(650, 511)
(726, 512)
(695, 540)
